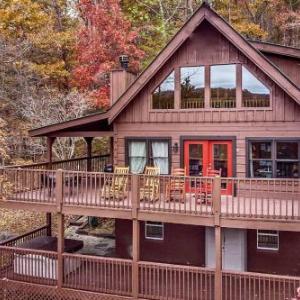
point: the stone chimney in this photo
(120, 79)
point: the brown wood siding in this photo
(288, 65)
(207, 47)
(241, 131)
(183, 244)
(283, 262)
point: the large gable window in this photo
(223, 86)
(274, 158)
(255, 93)
(192, 87)
(163, 96)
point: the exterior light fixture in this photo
(175, 148)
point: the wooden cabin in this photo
(223, 110)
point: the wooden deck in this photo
(262, 206)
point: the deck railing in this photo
(235, 198)
(165, 281)
(246, 285)
(261, 198)
(18, 240)
(93, 164)
(99, 274)
(27, 265)
(154, 280)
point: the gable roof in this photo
(250, 49)
(271, 48)
(205, 12)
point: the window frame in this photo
(179, 80)
(260, 232)
(155, 224)
(148, 141)
(157, 86)
(261, 81)
(273, 158)
(207, 89)
(237, 87)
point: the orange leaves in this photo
(104, 35)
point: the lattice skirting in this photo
(13, 290)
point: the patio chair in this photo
(176, 186)
(150, 189)
(115, 185)
(207, 187)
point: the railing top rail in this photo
(55, 162)
(261, 275)
(13, 239)
(164, 265)
(27, 250)
(97, 258)
(262, 179)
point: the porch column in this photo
(218, 271)
(135, 237)
(60, 249)
(111, 149)
(218, 236)
(50, 141)
(89, 141)
(49, 224)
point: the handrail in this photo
(19, 237)
(24, 166)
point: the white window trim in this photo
(162, 225)
(261, 232)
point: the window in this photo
(267, 240)
(255, 94)
(163, 96)
(153, 152)
(192, 87)
(154, 231)
(223, 86)
(274, 158)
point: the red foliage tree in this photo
(103, 36)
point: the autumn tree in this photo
(103, 36)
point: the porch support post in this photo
(49, 224)
(60, 250)
(218, 271)
(89, 141)
(60, 227)
(135, 237)
(50, 141)
(218, 236)
(111, 149)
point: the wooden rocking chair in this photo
(150, 189)
(116, 186)
(207, 187)
(176, 187)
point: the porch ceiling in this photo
(88, 126)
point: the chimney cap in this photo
(124, 61)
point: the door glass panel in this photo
(195, 160)
(220, 152)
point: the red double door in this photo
(199, 156)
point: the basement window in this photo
(268, 240)
(255, 93)
(163, 96)
(154, 231)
